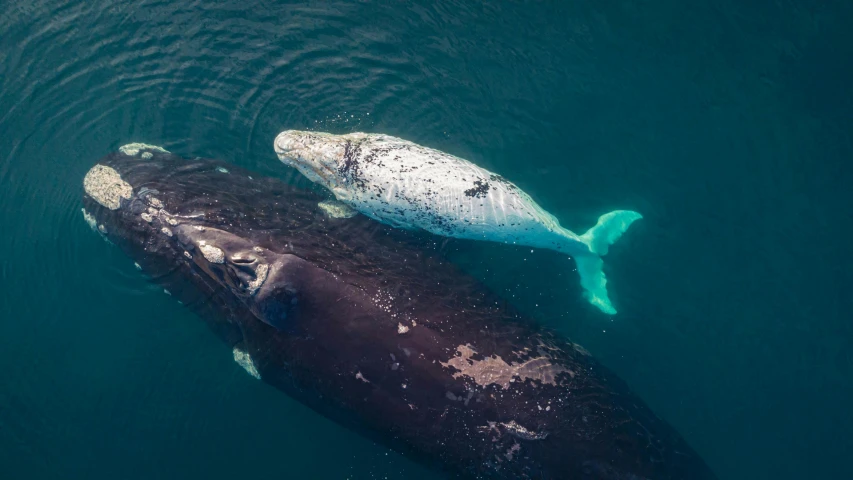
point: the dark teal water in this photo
(726, 123)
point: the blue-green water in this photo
(727, 124)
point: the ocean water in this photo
(726, 123)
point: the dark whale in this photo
(369, 327)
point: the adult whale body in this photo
(410, 186)
(367, 326)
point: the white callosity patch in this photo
(90, 220)
(106, 187)
(147, 217)
(260, 277)
(132, 149)
(211, 253)
(221, 169)
(245, 360)
(410, 186)
(495, 371)
(166, 231)
(336, 209)
(401, 329)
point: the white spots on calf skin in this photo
(361, 377)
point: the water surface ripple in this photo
(726, 124)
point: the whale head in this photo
(316, 155)
(182, 222)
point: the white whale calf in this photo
(406, 185)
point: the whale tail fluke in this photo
(609, 228)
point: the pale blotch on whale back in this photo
(245, 360)
(132, 149)
(212, 254)
(336, 209)
(106, 187)
(494, 370)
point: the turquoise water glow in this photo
(726, 124)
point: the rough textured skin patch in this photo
(221, 169)
(212, 254)
(260, 277)
(245, 360)
(401, 329)
(336, 209)
(106, 187)
(147, 217)
(166, 231)
(132, 149)
(495, 371)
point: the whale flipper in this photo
(609, 228)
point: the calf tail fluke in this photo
(609, 228)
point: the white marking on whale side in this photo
(245, 360)
(131, 149)
(336, 209)
(410, 186)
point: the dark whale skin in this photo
(373, 329)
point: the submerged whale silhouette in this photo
(371, 328)
(410, 186)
